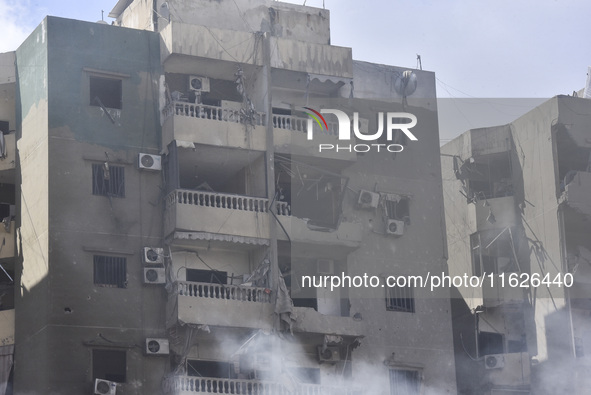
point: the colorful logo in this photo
(316, 118)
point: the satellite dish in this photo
(406, 83)
(101, 22)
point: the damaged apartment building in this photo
(168, 201)
(518, 212)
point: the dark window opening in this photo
(109, 365)
(110, 271)
(4, 127)
(398, 209)
(405, 382)
(400, 299)
(517, 345)
(199, 368)
(108, 180)
(490, 343)
(207, 276)
(487, 177)
(106, 92)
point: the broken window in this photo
(108, 180)
(493, 251)
(207, 276)
(109, 365)
(486, 176)
(490, 343)
(405, 382)
(400, 299)
(106, 92)
(110, 271)
(397, 207)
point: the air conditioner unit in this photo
(395, 227)
(329, 354)
(154, 275)
(199, 84)
(150, 162)
(368, 199)
(153, 255)
(104, 387)
(494, 361)
(157, 346)
(325, 266)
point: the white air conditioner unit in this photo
(199, 84)
(329, 354)
(325, 266)
(368, 199)
(154, 275)
(496, 361)
(150, 162)
(395, 227)
(104, 387)
(153, 255)
(157, 346)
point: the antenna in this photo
(419, 64)
(102, 15)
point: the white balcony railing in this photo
(207, 385)
(226, 201)
(217, 200)
(298, 124)
(224, 292)
(214, 113)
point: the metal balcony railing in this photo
(215, 113)
(208, 385)
(225, 292)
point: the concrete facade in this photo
(169, 204)
(516, 207)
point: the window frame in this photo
(418, 379)
(109, 376)
(406, 298)
(112, 185)
(118, 276)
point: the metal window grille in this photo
(405, 382)
(108, 180)
(110, 271)
(400, 299)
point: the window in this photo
(210, 369)
(207, 276)
(109, 365)
(400, 299)
(108, 180)
(405, 382)
(110, 271)
(490, 343)
(105, 92)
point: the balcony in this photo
(242, 217)
(228, 214)
(308, 320)
(501, 296)
(494, 213)
(577, 192)
(7, 240)
(8, 161)
(212, 125)
(290, 137)
(187, 385)
(514, 371)
(222, 305)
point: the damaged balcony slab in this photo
(494, 213)
(309, 320)
(211, 125)
(221, 305)
(577, 192)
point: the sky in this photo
(479, 50)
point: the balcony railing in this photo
(225, 292)
(217, 200)
(206, 385)
(215, 113)
(289, 122)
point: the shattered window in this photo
(405, 382)
(108, 180)
(110, 271)
(105, 92)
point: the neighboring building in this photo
(517, 206)
(168, 204)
